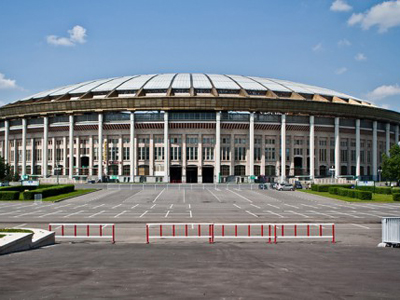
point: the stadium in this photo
(194, 128)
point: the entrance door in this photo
(208, 174)
(175, 173)
(191, 174)
(298, 166)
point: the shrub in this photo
(383, 190)
(366, 188)
(9, 195)
(325, 187)
(49, 191)
(333, 190)
(396, 197)
(364, 195)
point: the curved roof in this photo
(194, 84)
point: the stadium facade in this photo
(194, 128)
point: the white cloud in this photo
(360, 57)
(6, 83)
(384, 91)
(76, 35)
(341, 71)
(344, 43)
(340, 5)
(317, 48)
(384, 15)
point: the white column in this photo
(100, 146)
(23, 147)
(375, 150)
(396, 133)
(184, 158)
(64, 155)
(312, 148)
(262, 171)
(166, 148)
(7, 141)
(78, 156)
(53, 161)
(132, 146)
(283, 147)
(387, 138)
(45, 146)
(217, 147)
(200, 158)
(90, 155)
(337, 147)
(32, 155)
(151, 155)
(251, 139)
(358, 149)
(232, 146)
(120, 153)
(71, 146)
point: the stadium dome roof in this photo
(192, 84)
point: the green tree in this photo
(391, 164)
(5, 171)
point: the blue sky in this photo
(351, 46)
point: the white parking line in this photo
(362, 226)
(75, 213)
(255, 206)
(190, 207)
(79, 206)
(158, 195)
(53, 213)
(330, 206)
(369, 214)
(97, 206)
(190, 213)
(28, 213)
(250, 213)
(143, 214)
(297, 213)
(346, 214)
(134, 206)
(153, 206)
(98, 213)
(277, 207)
(116, 206)
(271, 212)
(320, 213)
(292, 206)
(241, 196)
(166, 215)
(214, 195)
(171, 206)
(20, 225)
(237, 206)
(121, 213)
(308, 205)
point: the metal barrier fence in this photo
(71, 231)
(180, 231)
(269, 231)
(391, 230)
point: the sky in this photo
(351, 46)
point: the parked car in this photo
(298, 185)
(4, 183)
(263, 186)
(274, 185)
(284, 187)
(92, 181)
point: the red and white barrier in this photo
(274, 231)
(180, 231)
(83, 231)
(270, 231)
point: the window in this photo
(240, 140)
(113, 153)
(226, 140)
(323, 142)
(353, 155)
(240, 153)
(343, 155)
(270, 154)
(192, 140)
(126, 170)
(126, 153)
(257, 154)
(143, 153)
(208, 140)
(362, 156)
(298, 142)
(298, 151)
(270, 141)
(322, 155)
(38, 154)
(175, 153)
(191, 153)
(225, 153)
(208, 153)
(159, 153)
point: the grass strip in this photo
(15, 230)
(375, 197)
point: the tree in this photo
(391, 164)
(5, 171)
